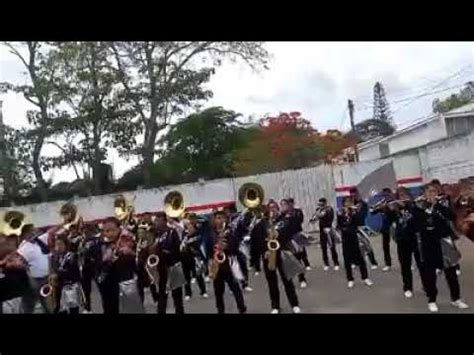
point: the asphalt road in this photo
(327, 292)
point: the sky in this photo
(314, 78)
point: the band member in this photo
(115, 264)
(65, 276)
(299, 216)
(361, 216)
(167, 247)
(225, 247)
(272, 261)
(381, 208)
(146, 234)
(14, 282)
(294, 225)
(405, 236)
(34, 248)
(193, 259)
(347, 221)
(89, 255)
(325, 215)
(239, 228)
(433, 218)
(257, 234)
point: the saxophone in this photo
(273, 245)
(219, 256)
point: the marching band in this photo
(167, 252)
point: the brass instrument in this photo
(123, 208)
(219, 256)
(12, 223)
(273, 245)
(48, 291)
(174, 204)
(251, 195)
(70, 215)
(152, 268)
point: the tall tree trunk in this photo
(41, 185)
(96, 166)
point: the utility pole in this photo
(350, 104)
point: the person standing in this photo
(325, 215)
(347, 222)
(272, 260)
(88, 255)
(34, 248)
(222, 261)
(433, 217)
(167, 248)
(387, 222)
(295, 219)
(405, 236)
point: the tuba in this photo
(12, 223)
(174, 204)
(70, 215)
(251, 195)
(123, 208)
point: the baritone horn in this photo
(174, 204)
(251, 195)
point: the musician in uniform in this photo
(387, 222)
(193, 260)
(272, 259)
(299, 217)
(89, 255)
(295, 219)
(65, 276)
(348, 218)
(167, 247)
(325, 215)
(224, 249)
(361, 216)
(116, 263)
(405, 236)
(14, 283)
(433, 217)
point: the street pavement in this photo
(327, 292)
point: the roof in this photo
(468, 108)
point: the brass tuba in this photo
(12, 223)
(174, 204)
(251, 195)
(122, 208)
(70, 215)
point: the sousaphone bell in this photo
(251, 195)
(12, 223)
(174, 204)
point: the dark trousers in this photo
(429, 272)
(87, 276)
(109, 294)
(324, 239)
(386, 246)
(352, 255)
(74, 310)
(176, 294)
(272, 280)
(242, 260)
(32, 296)
(255, 257)
(302, 257)
(406, 250)
(189, 269)
(143, 281)
(225, 275)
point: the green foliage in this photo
(463, 97)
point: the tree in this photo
(200, 146)
(381, 105)
(100, 116)
(286, 141)
(463, 97)
(39, 61)
(164, 78)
